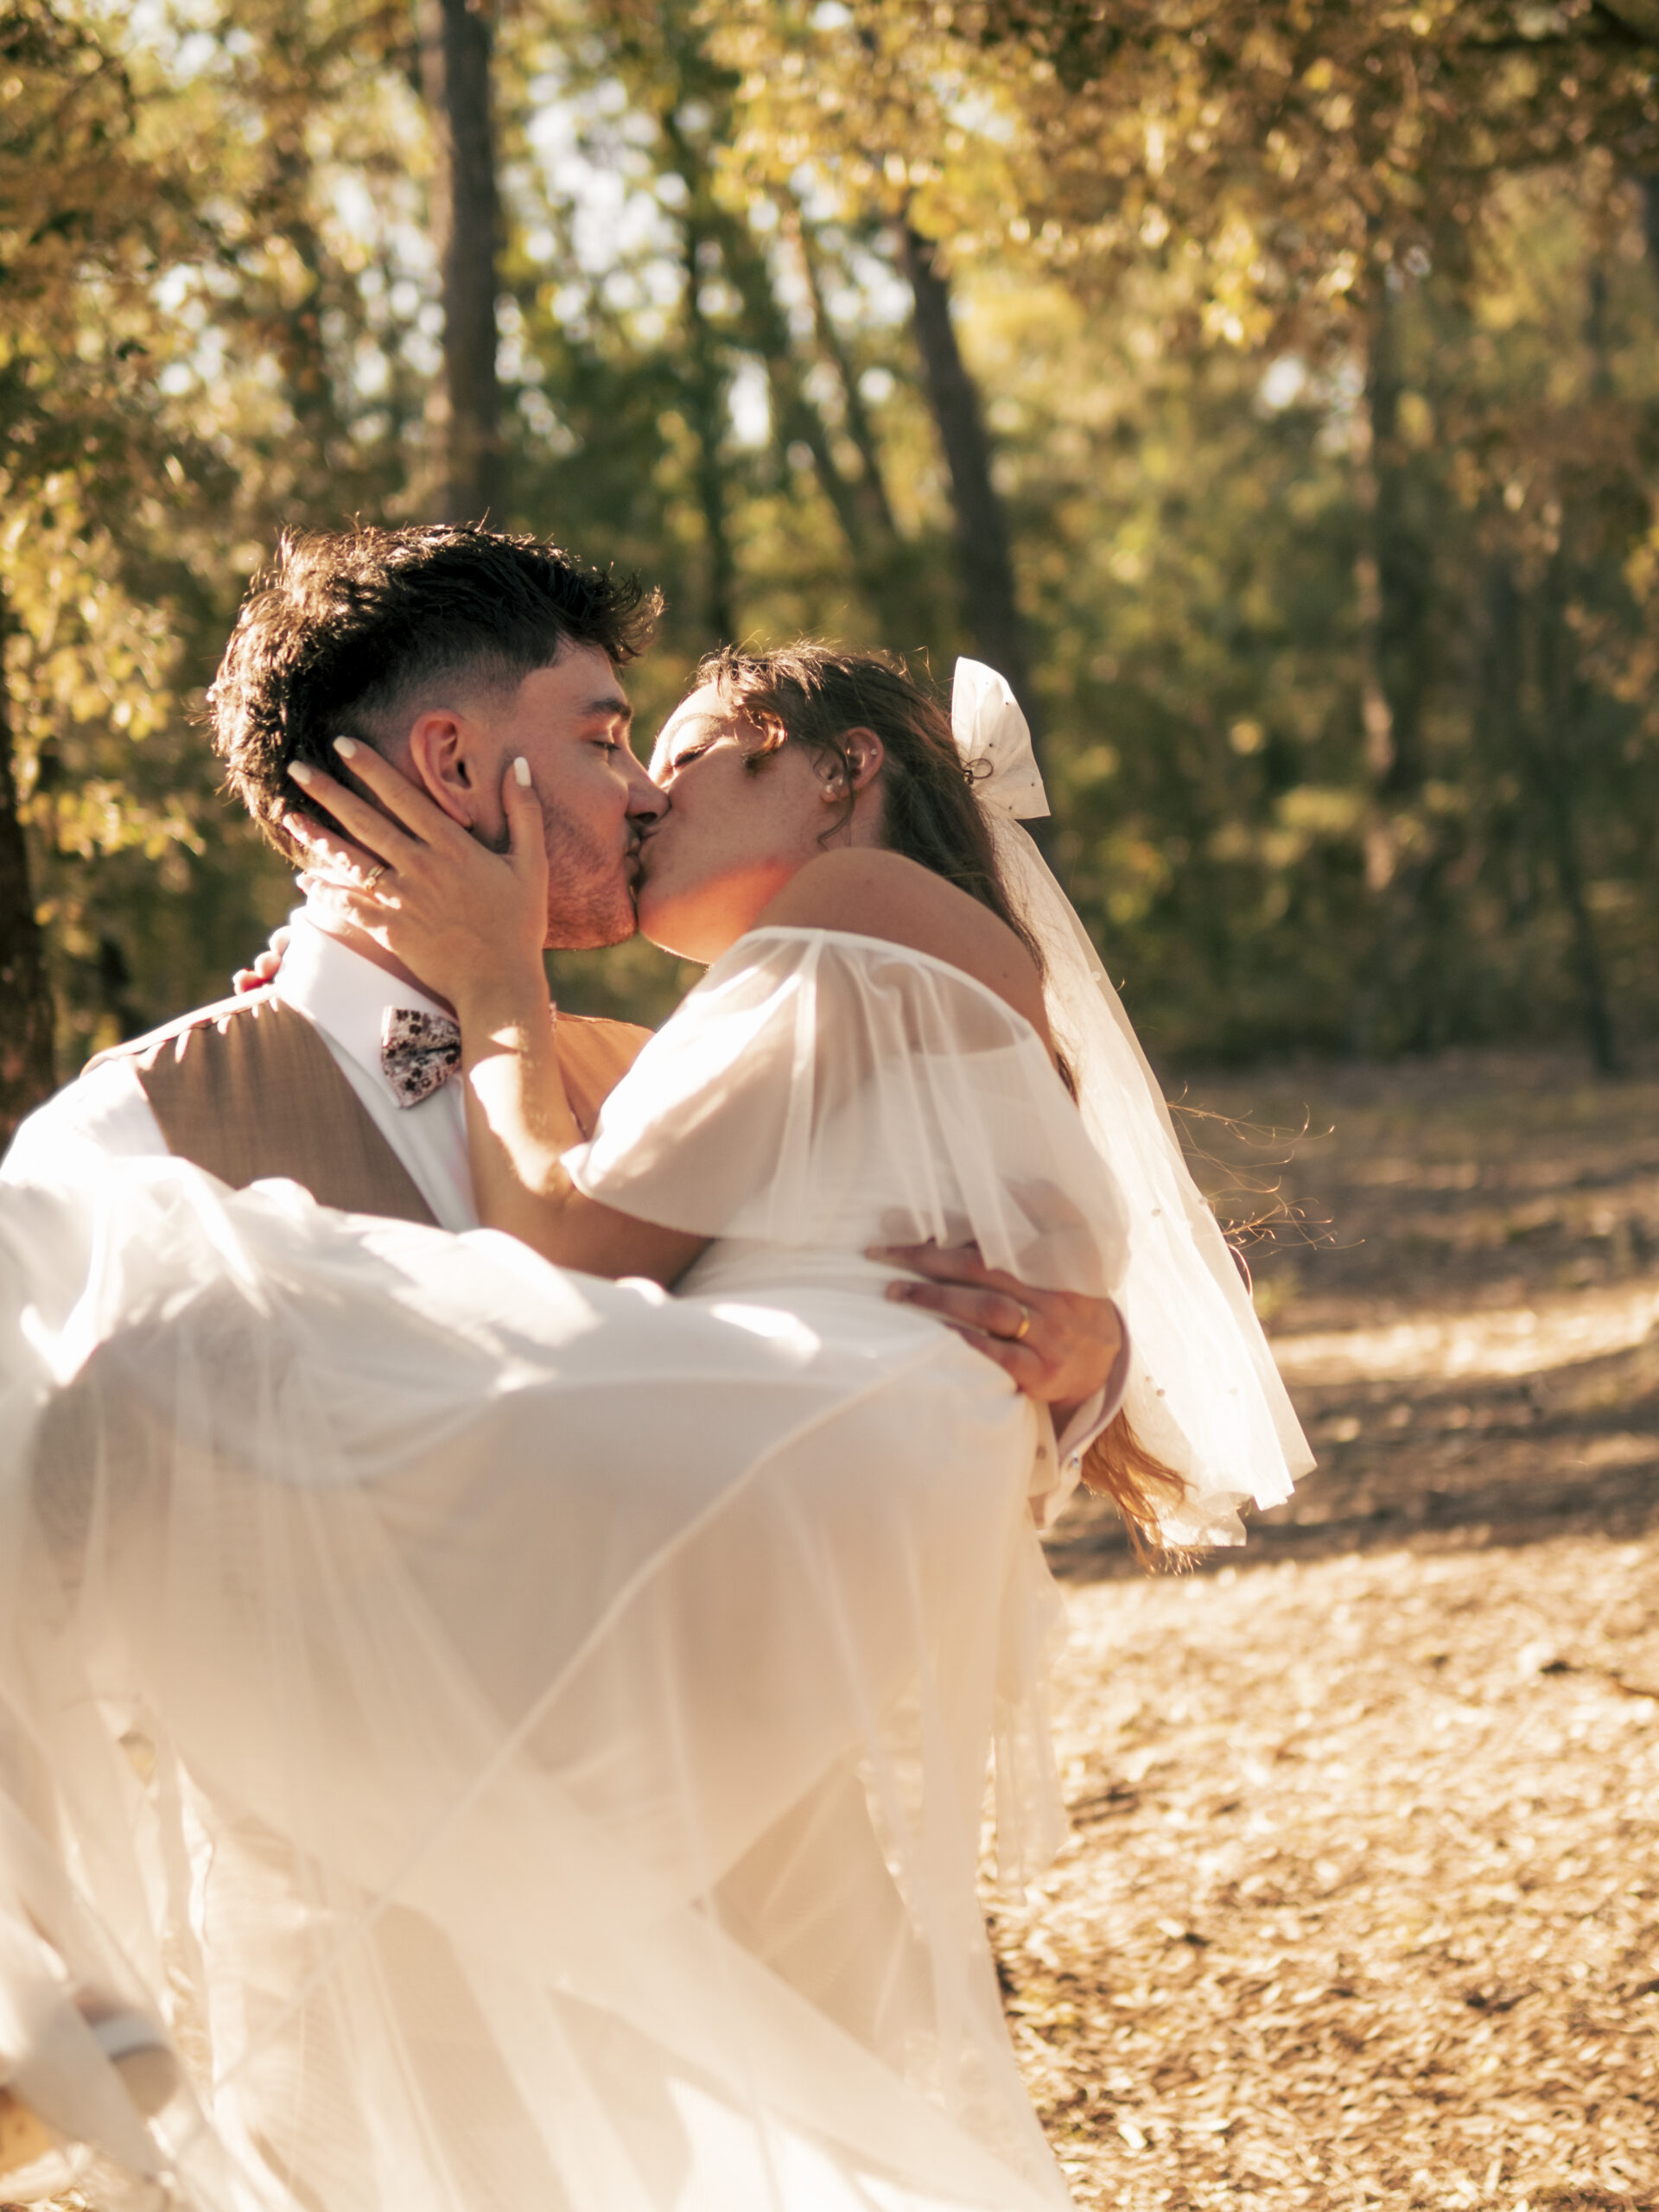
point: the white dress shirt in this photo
(344, 997)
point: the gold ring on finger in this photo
(1024, 1329)
(374, 875)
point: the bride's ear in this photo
(865, 754)
(441, 760)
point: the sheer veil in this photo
(1204, 1395)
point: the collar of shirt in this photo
(343, 993)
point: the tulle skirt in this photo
(522, 1739)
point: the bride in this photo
(507, 1735)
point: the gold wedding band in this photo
(375, 875)
(1024, 1329)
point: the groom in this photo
(451, 650)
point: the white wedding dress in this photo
(521, 1737)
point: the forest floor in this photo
(1362, 1903)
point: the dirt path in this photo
(1362, 1904)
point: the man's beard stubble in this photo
(590, 893)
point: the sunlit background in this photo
(1270, 386)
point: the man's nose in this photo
(646, 803)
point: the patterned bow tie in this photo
(419, 1052)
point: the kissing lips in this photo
(642, 856)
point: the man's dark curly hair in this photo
(348, 630)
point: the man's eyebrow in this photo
(613, 705)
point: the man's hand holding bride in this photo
(1060, 1348)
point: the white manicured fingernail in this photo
(345, 747)
(300, 771)
(521, 771)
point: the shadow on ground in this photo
(1361, 1903)
(1462, 1284)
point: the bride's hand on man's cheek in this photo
(460, 918)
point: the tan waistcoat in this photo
(247, 1090)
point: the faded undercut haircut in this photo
(347, 631)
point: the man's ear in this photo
(442, 758)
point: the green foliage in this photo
(1317, 344)
(91, 206)
(194, 352)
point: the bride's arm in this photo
(469, 925)
(519, 1124)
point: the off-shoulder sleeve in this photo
(820, 1089)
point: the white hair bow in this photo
(989, 726)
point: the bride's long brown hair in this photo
(813, 696)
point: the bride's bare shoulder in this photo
(875, 894)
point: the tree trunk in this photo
(871, 491)
(1400, 997)
(1551, 740)
(1392, 581)
(26, 1075)
(984, 553)
(1533, 740)
(886, 568)
(455, 43)
(706, 393)
(1650, 184)
(1595, 1006)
